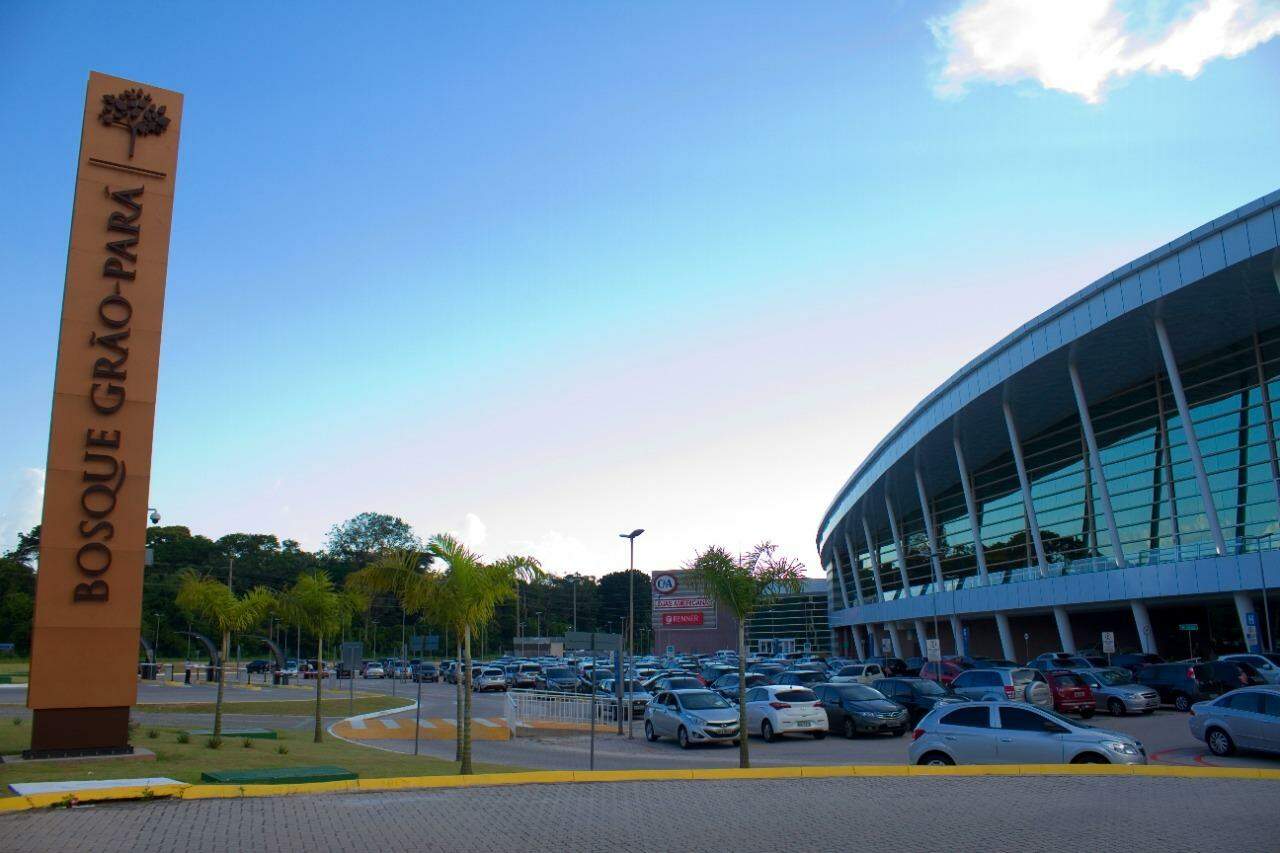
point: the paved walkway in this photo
(810, 815)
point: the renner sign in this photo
(682, 619)
(93, 530)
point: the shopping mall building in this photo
(1051, 490)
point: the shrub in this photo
(281, 749)
(213, 742)
(183, 737)
(153, 733)
(247, 743)
(17, 721)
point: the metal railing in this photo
(524, 707)
(1062, 567)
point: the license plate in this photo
(803, 723)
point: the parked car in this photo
(712, 671)
(777, 709)
(258, 666)
(1267, 666)
(1071, 695)
(524, 675)
(1248, 719)
(893, 666)
(914, 665)
(1113, 688)
(426, 672)
(1016, 685)
(1181, 684)
(1234, 673)
(943, 672)
(855, 709)
(674, 682)
(918, 695)
(1059, 660)
(489, 678)
(1134, 661)
(691, 717)
(858, 673)
(767, 669)
(373, 669)
(800, 677)
(632, 693)
(727, 685)
(557, 679)
(1015, 733)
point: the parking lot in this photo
(1164, 733)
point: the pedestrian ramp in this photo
(429, 728)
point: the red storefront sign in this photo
(682, 619)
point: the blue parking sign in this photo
(1251, 618)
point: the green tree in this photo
(209, 599)
(358, 541)
(744, 584)
(465, 596)
(313, 603)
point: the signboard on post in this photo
(88, 602)
(1189, 626)
(886, 645)
(933, 650)
(1108, 642)
(352, 656)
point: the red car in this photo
(1070, 694)
(944, 671)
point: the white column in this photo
(894, 639)
(1006, 636)
(1193, 445)
(971, 506)
(838, 575)
(929, 531)
(1142, 619)
(899, 545)
(1095, 462)
(1025, 482)
(957, 635)
(1065, 635)
(874, 550)
(856, 631)
(853, 570)
(1244, 610)
(922, 636)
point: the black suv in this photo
(1182, 684)
(918, 695)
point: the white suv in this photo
(778, 709)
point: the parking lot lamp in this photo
(631, 617)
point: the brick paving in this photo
(983, 815)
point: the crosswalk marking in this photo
(450, 721)
(482, 721)
(426, 724)
(357, 724)
(391, 724)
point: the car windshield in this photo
(683, 683)
(494, 672)
(1063, 719)
(1275, 659)
(559, 673)
(1067, 680)
(859, 693)
(930, 688)
(1022, 676)
(701, 701)
(851, 670)
(1112, 677)
(800, 695)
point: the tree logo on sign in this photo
(133, 110)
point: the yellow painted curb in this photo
(549, 777)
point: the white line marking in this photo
(426, 724)
(449, 721)
(482, 721)
(391, 724)
(357, 723)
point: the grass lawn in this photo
(186, 761)
(17, 668)
(303, 707)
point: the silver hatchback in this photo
(691, 717)
(1015, 733)
(1115, 690)
(1248, 718)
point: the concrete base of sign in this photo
(78, 732)
(139, 754)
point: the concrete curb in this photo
(203, 792)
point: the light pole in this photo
(631, 617)
(155, 650)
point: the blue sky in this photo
(540, 273)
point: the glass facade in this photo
(1159, 511)
(795, 622)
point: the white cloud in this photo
(22, 511)
(473, 532)
(1078, 46)
(559, 553)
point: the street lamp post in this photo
(631, 617)
(155, 650)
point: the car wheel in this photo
(1089, 758)
(766, 732)
(649, 734)
(1087, 713)
(1115, 707)
(683, 737)
(1220, 743)
(819, 735)
(1182, 702)
(850, 730)
(936, 759)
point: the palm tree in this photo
(209, 599)
(743, 585)
(465, 596)
(313, 603)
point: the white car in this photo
(778, 709)
(1267, 665)
(858, 673)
